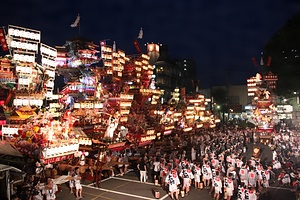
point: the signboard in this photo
(57, 159)
(116, 145)
(284, 108)
(24, 56)
(8, 130)
(25, 33)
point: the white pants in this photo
(142, 176)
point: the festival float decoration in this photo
(262, 88)
(197, 115)
(30, 129)
(109, 101)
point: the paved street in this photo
(128, 187)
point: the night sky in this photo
(221, 36)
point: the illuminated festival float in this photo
(262, 88)
(109, 102)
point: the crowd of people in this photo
(38, 187)
(219, 162)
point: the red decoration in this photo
(3, 41)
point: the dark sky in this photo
(221, 36)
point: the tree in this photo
(220, 97)
(284, 48)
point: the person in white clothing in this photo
(71, 181)
(228, 185)
(187, 177)
(78, 186)
(252, 178)
(197, 174)
(217, 186)
(193, 154)
(207, 174)
(252, 194)
(50, 190)
(156, 170)
(265, 180)
(173, 181)
(243, 173)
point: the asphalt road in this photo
(128, 187)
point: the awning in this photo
(7, 149)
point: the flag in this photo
(76, 22)
(114, 47)
(140, 36)
(3, 40)
(269, 61)
(261, 61)
(137, 46)
(254, 61)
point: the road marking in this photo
(101, 181)
(134, 181)
(120, 193)
(167, 195)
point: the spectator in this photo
(50, 190)
(78, 186)
(142, 169)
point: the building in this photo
(167, 73)
(172, 73)
(235, 101)
(188, 75)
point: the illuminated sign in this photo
(88, 105)
(148, 138)
(48, 51)
(150, 132)
(57, 159)
(169, 127)
(116, 145)
(167, 132)
(24, 69)
(24, 57)
(284, 108)
(8, 130)
(26, 102)
(49, 62)
(26, 45)
(26, 33)
(187, 129)
(126, 96)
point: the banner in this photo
(254, 62)
(140, 36)
(76, 22)
(137, 46)
(269, 61)
(3, 40)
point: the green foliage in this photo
(220, 96)
(284, 48)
